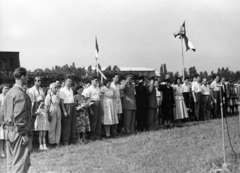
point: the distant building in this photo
(140, 71)
(9, 61)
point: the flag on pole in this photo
(96, 49)
(182, 35)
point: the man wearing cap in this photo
(17, 124)
(142, 104)
(68, 112)
(129, 105)
(152, 105)
(93, 93)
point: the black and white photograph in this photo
(119, 86)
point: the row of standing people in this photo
(142, 106)
(66, 116)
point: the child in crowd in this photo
(42, 125)
(4, 89)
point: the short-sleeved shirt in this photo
(214, 86)
(205, 90)
(84, 93)
(66, 95)
(93, 93)
(185, 88)
(116, 90)
(35, 94)
(196, 87)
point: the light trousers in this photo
(54, 132)
(129, 120)
(18, 155)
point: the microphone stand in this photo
(223, 138)
(238, 101)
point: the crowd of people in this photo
(75, 114)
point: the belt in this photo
(205, 95)
(198, 92)
(95, 100)
(69, 103)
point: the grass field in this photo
(192, 148)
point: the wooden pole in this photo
(182, 57)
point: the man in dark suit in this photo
(142, 104)
(168, 103)
(152, 105)
(17, 124)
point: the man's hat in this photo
(94, 78)
(140, 79)
(167, 81)
(151, 78)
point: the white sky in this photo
(130, 32)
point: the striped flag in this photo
(182, 35)
(96, 49)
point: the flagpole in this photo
(97, 65)
(182, 57)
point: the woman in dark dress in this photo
(167, 103)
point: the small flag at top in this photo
(96, 49)
(182, 35)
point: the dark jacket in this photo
(168, 97)
(152, 99)
(141, 96)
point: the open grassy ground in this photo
(194, 148)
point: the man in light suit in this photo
(129, 105)
(17, 124)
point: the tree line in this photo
(82, 74)
(221, 72)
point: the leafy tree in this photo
(108, 68)
(115, 68)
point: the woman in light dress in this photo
(180, 111)
(5, 89)
(109, 116)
